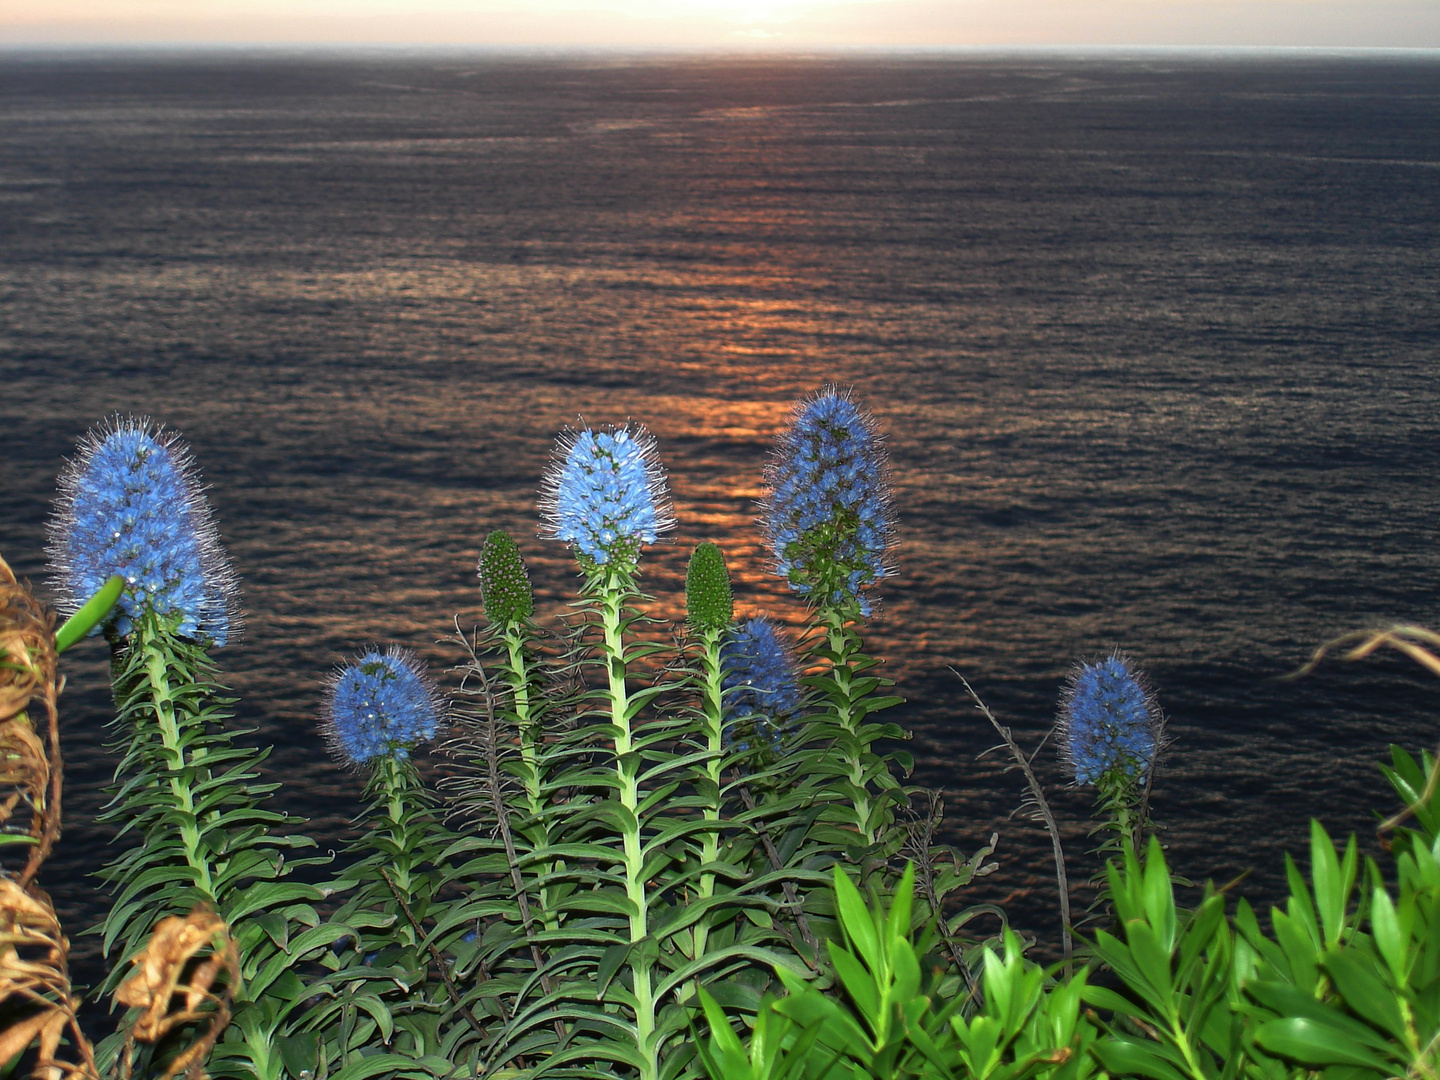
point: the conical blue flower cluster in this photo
(1110, 723)
(827, 515)
(605, 494)
(760, 690)
(382, 704)
(130, 504)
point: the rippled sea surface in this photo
(1156, 343)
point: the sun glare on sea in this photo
(749, 13)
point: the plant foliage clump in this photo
(655, 852)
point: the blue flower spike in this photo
(383, 704)
(826, 515)
(1110, 723)
(605, 495)
(761, 691)
(131, 504)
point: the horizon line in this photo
(790, 51)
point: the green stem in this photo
(1120, 804)
(1125, 824)
(1193, 1064)
(395, 780)
(842, 644)
(615, 590)
(713, 718)
(518, 676)
(151, 639)
(90, 614)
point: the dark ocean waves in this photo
(1154, 342)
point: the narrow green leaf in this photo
(1313, 1043)
(856, 921)
(859, 983)
(1159, 897)
(1357, 978)
(722, 1035)
(1153, 961)
(1330, 891)
(300, 1054)
(1290, 1002)
(1124, 1056)
(898, 923)
(1391, 941)
(379, 1065)
(611, 961)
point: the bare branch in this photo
(1042, 807)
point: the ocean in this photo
(1155, 340)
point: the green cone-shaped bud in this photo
(504, 583)
(708, 603)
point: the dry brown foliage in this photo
(30, 772)
(35, 994)
(35, 985)
(1410, 640)
(186, 975)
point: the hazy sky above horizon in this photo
(726, 24)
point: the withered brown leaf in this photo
(35, 979)
(194, 960)
(29, 772)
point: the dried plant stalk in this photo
(186, 974)
(481, 737)
(1037, 807)
(1410, 640)
(30, 772)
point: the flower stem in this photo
(843, 644)
(155, 648)
(713, 720)
(615, 589)
(518, 676)
(395, 779)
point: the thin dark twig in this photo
(502, 817)
(1042, 806)
(1040, 745)
(440, 965)
(791, 897)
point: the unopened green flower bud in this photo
(504, 583)
(708, 603)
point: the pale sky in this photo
(725, 24)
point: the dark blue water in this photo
(1157, 344)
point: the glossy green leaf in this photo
(856, 920)
(1312, 1042)
(1392, 938)
(1358, 981)
(859, 983)
(1159, 897)
(1124, 1056)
